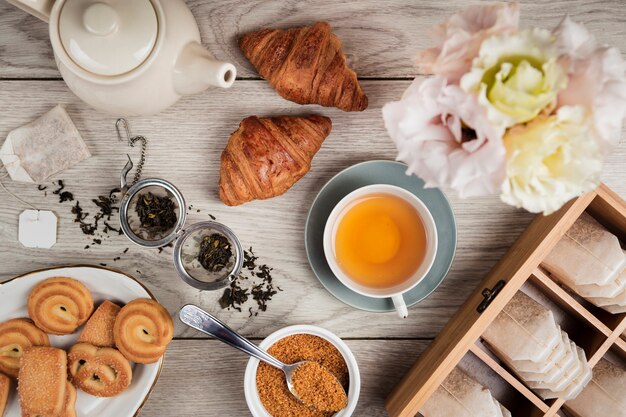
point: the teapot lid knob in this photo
(108, 37)
(101, 19)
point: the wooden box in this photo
(594, 330)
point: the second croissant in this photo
(266, 156)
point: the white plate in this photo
(104, 284)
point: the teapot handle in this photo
(38, 8)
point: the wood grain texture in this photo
(380, 38)
(185, 145)
(205, 377)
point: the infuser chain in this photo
(132, 140)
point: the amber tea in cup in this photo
(380, 241)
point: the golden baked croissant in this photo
(305, 65)
(266, 156)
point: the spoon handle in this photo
(202, 321)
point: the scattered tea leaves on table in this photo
(63, 195)
(255, 280)
(90, 226)
(234, 296)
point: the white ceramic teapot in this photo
(129, 57)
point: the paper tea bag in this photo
(577, 380)
(587, 254)
(604, 396)
(549, 370)
(566, 371)
(461, 396)
(616, 301)
(43, 147)
(523, 331)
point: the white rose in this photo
(551, 160)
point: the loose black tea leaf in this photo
(215, 252)
(233, 296)
(63, 195)
(249, 260)
(61, 187)
(170, 245)
(66, 196)
(262, 292)
(106, 209)
(157, 214)
(108, 227)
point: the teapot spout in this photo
(196, 70)
(38, 8)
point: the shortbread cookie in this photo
(59, 305)
(99, 328)
(102, 372)
(5, 385)
(143, 329)
(69, 408)
(15, 336)
(42, 381)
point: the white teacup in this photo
(394, 292)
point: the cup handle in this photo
(400, 305)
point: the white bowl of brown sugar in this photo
(265, 388)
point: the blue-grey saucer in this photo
(379, 172)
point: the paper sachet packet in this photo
(44, 147)
(604, 396)
(523, 331)
(587, 254)
(460, 395)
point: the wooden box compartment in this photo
(598, 332)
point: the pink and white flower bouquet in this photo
(524, 112)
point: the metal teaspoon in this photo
(204, 322)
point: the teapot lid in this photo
(108, 37)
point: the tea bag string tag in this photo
(6, 190)
(132, 141)
(36, 228)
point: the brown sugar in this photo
(271, 383)
(318, 388)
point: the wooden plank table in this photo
(204, 377)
